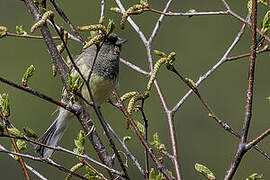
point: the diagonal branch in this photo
(48, 161)
(27, 166)
(67, 21)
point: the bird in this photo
(103, 79)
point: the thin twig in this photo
(102, 8)
(29, 36)
(226, 4)
(258, 139)
(37, 94)
(68, 22)
(96, 171)
(48, 161)
(160, 167)
(150, 40)
(27, 166)
(233, 58)
(112, 144)
(129, 154)
(247, 22)
(133, 66)
(223, 124)
(212, 70)
(20, 159)
(132, 23)
(154, 32)
(70, 36)
(189, 13)
(61, 149)
(145, 120)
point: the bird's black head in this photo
(114, 39)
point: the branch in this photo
(232, 13)
(37, 93)
(61, 149)
(28, 36)
(249, 97)
(233, 58)
(160, 167)
(158, 22)
(258, 139)
(67, 21)
(48, 161)
(14, 144)
(133, 66)
(132, 23)
(189, 13)
(129, 154)
(27, 166)
(212, 70)
(56, 57)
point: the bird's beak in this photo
(120, 41)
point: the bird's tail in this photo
(54, 133)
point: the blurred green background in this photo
(199, 43)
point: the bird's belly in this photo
(101, 88)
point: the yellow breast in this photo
(101, 88)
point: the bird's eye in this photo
(112, 38)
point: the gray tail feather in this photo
(51, 137)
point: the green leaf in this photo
(19, 30)
(204, 171)
(140, 126)
(70, 81)
(159, 176)
(28, 73)
(111, 26)
(4, 105)
(21, 144)
(91, 174)
(14, 132)
(144, 3)
(160, 53)
(152, 175)
(190, 82)
(30, 133)
(79, 82)
(266, 22)
(79, 143)
(1, 128)
(156, 141)
(264, 2)
(115, 9)
(3, 31)
(255, 176)
(249, 4)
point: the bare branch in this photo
(249, 97)
(212, 70)
(48, 161)
(160, 167)
(27, 166)
(158, 22)
(258, 139)
(68, 22)
(189, 14)
(133, 66)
